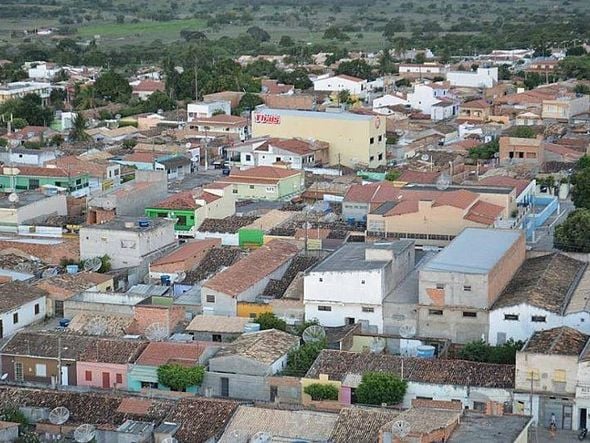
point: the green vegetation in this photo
(392, 175)
(268, 320)
(573, 234)
(28, 109)
(581, 182)
(522, 132)
(179, 378)
(78, 131)
(300, 360)
(377, 388)
(485, 151)
(321, 391)
(481, 351)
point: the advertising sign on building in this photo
(267, 119)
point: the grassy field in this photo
(146, 30)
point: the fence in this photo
(536, 219)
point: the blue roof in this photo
(474, 251)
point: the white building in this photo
(43, 71)
(30, 208)
(200, 110)
(20, 306)
(24, 156)
(433, 99)
(356, 86)
(349, 286)
(547, 292)
(482, 78)
(11, 91)
(422, 70)
(382, 103)
(128, 241)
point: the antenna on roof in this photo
(378, 345)
(313, 333)
(84, 433)
(443, 182)
(156, 332)
(50, 272)
(108, 205)
(93, 264)
(25, 267)
(180, 276)
(59, 415)
(401, 428)
(97, 327)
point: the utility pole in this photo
(196, 80)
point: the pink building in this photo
(104, 363)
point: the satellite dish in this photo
(4, 376)
(50, 272)
(59, 415)
(169, 440)
(97, 327)
(425, 157)
(180, 277)
(156, 332)
(25, 267)
(93, 264)
(84, 433)
(443, 182)
(13, 197)
(378, 345)
(407, 330)
(261, 437)
(313, 333)
(108, 205)
(401, 428)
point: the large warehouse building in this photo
(355, 140)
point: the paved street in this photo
(542, 435)
(199, 178)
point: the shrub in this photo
(268, 320)
(380, 387)
(321, 391)
(178, 377)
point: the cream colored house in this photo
(265, 183)
(356, 140)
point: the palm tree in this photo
(78, 131)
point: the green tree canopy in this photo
(335, 33)
(286, 41)
(179, 378)
(268, 320)
(380, 387)
(523, 132)
(356, 68)
(78, 131)
(300, 360)
(321, 391)
(113, 86)
(581, 191)
(482, 352)
(259, 34)
(298, 77)
(158, 100)
(574, 233)
(28, 108)
(248, 102)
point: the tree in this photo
(480, 351)
(392, 175)
(300, 360)
(286, 41)
(582, 88)
(380, 387)
(321, 391)
(78, 131)
(268, 320)
(258, 34)
(386, 65)
(576, 51)
(356, 68)
(485, 151)
(19, 123)
(420, 58)
(29, 108)
(522, 132)
(248, 102)
(394, 25)
(344, 97)
(574, 233)
(298, 77)
(581, 191)
(192, 36)
(583, 163)
(335, 33)
(158, 101)
(113, 87)
(179, 378)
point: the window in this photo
(210, 298)
(372, 140)
(367, 309)
(235, 191)
(479, 406)
(149, 384)
(380, 156)
(467, 288)
(15, 318)
(321, 279)
(270, 189)
(119, 378)
(88, 375)
(371, 158)
(251, 186)
(532, 374)
(18, 372)
(216, 337)
(538, 318)
(252, 315)
(40, 370)
(559, 375)
(440, 286)
(248, 157)
(469, 314)
(435, 312)
(362, 282)
(380, 138)
(511, 317)
(37, 309)
(324, 308)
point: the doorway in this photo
(349, 320)
(1, 329)
(274, 392)
(583, 417)
(224, 387)
(106, 380)
(567, 416)
(65, 376)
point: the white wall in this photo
(482, 78)
(336, 84)
(523, 328)
(340, 311)
(26, 316)
(389, 100)
(202, 109)
(467, 395)
(423, 98)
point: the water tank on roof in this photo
(72, 269)
(425, 351)
(252, 327)
(143, 223)
(165, 280)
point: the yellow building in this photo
(356, 140)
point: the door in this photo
(106, 380)
(224, 387)
(1, 329)
(274, 391)
(65, 376)
(567, 417)
(583, 418)
(18, 371)
(349, 320)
